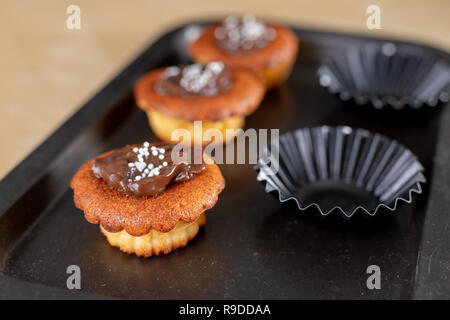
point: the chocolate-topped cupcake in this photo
(219, 97)
(270, 50)
(148, 198)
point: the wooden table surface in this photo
(49, 71)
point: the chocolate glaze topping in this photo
(144, 170)
(243, 35)
(194, 80)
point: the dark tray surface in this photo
(252, 246)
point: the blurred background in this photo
(49, 71)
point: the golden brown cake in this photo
(269, 50)
(176, 97)
(154, 242)
(145, 202)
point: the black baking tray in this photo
(253, 247)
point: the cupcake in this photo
(148, 198)
(270, 50)
(175, 97)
